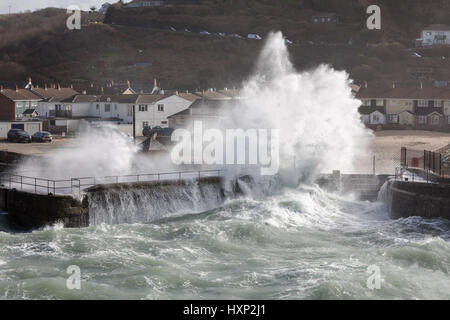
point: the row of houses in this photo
(415, 107)
(62, 110)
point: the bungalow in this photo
(435, 34)
(14, 102)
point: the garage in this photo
(29, 126)
(32, 128)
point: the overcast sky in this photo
(23, 5)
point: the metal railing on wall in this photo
(429, 162)
(76, 185)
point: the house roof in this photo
(188, 96)
(213, 95)
(55, 94)
(150, 98)
(370, 109)
(20, 95)
(234, 93)
(437, 27)
(29, 111)
(424, 111)
(185, 112)
(80, 98)
(429, 93)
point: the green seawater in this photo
(297, 244)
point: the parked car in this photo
(18, 135)
(42, 136)
(415, 54)
(204, 32)
(254, 36)
(234, 35)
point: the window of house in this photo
(393, 118)
(438, 103)
(163, 122)
(421, 119)
(408, 103)
(161, 107)
(129, 110)
(97, 106)
(422, 103)
(379, 102)
(115, 107)
(107, 108)
(144, 124)
(366, 102)
(143, 107)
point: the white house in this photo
(435, 34)
(140, 4)
(56, 102)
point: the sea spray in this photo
(318, 119)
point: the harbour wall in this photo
(428, 200)
(118, 203)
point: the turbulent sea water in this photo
(299, 243)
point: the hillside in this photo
(138, 45)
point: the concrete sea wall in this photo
(428, 200)
(29, 211)
(117, 203)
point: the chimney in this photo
(101, 89)
(84, 92)
(45, 87)
(393, 85)
(129, 84)
(1, 88)
(29, 85)
(92, 85)
(71, 86)
(365, 84)
(155, 83)
(17, 88)
(421, 85)
(59, 87)
(176, 92)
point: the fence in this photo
(76, 185)
(428, 161)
